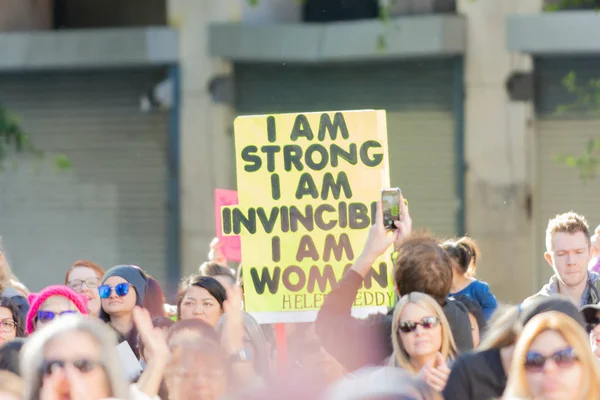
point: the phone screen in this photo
(391, 207)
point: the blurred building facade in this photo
(141, 98)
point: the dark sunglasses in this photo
(411, 326)
(534, 362)
(592, 324)
(47, 316)
(77, 284)
(120, 290)
(83, 365)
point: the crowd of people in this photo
(110, 334)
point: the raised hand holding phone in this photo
(390, 199)
(380, 237)
(404, 222)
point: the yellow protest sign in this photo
(307, 186)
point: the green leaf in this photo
(381, 42)
(385, 13)
(551, 7)
(570, 82)
(253, 3)
(12, 137)
(62, 162)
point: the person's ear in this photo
(548, 257)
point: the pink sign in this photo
(231, 246)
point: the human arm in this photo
(338, 331)
(232, 338)
(157, 354)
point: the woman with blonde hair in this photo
(422, 339)
(482, 374)
(553, 360)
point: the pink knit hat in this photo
(37, 299)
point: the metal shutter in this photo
(110, 207)
(558, 187)
(418, 99)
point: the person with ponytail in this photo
(465, 255)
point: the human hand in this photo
(436, 376)
(155, 345)
(379, 238)
(404, 224)
(233, 329)
(216, 253)
(64, 382)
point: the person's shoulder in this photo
(454, 306)
(480, 284)
(594, 277)
(10, 291)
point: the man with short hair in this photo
(568, 252)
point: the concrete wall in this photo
(207, 160)
(498, 140)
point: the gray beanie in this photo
(132, 274)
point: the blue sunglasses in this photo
(47, 316)
(120, 290)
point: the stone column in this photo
(205, 127)
(498, 133)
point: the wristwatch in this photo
(242, 355)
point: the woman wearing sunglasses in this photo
(123, 287)
(84, 277)
(422, 339)
(76, 358)
(553, 360)
(51, 303)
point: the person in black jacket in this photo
(421, 266)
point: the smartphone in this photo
(390, 199)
